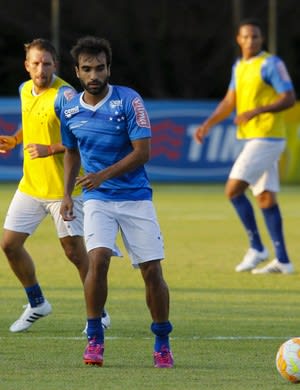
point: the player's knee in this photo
(231, 192)
(9, 247)
(73, 256)
(99, 261)
(266, 199)
(152, 272)
(234, 188)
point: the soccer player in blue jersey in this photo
(260, 89)
(41, 188)
(106, 128)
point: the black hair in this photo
(252, 21)
(93, 46)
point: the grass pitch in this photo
(227, 326)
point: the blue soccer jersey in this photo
(103, 135)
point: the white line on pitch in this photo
(216, 338)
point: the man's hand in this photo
(66, 209)
(245, 117)
(7, 143)
(37, 150)
(200, 133)
(89, 181)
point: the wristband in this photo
(50, 150)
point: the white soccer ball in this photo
(288, 360)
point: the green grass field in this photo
(227, 326)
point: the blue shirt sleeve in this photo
(65, 93)
(232, 80)
(274, 73)
(137, 117)
(21, 87)
(68, 138)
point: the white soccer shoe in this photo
(251, 259)
(105, 320)
(30, 315)
(275, 267)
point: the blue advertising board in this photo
(10, 121)
(176, 157)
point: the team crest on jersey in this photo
(71, 111)
(140, 113)
(115, 104)
(69, 93)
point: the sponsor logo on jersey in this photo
(115, 103)
(142, 118)
(71, 111)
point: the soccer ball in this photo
(288, 360)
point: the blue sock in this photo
(161, 331)
(273, 221)
(35, 295)
(95, 330)
(245, 211)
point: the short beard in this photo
(94, 91)
(45, 83)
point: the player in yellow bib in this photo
(41, 188)
(259, 90)
(41, 111)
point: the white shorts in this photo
(137, 223)
(257, 165)
(25, 213)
